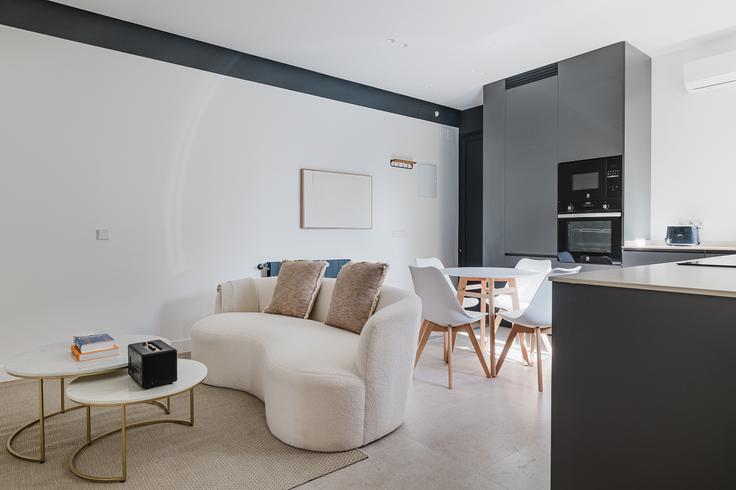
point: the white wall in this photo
(693, 147)
(197, 177)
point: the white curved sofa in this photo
(324, 388)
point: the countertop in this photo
(660, 245)
(669, 277)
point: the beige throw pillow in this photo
(297, 286)
(356, 295)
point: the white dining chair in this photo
(526, 286)
(437, 264)
(535, 319)
(441, 312)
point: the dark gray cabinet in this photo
(530, 177)
(710, 254)
(642, 389)
(591, 104)
(645, 257)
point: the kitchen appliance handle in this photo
(616, 214)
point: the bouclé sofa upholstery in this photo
(324, 388)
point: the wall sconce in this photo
(399, 163)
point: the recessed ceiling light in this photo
(391, 40)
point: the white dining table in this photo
(486, 291)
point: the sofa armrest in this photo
(385, 359)
(238, 295)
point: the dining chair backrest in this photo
(539, 311)
(526, 286)
(437, 264)
(439, 304)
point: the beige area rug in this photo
(228, 447)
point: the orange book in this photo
(99, 354)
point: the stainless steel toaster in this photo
(682, 235)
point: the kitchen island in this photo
(644, 377)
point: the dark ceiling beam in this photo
(78, 25)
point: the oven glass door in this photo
(591, 240)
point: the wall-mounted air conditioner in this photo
(709, 73)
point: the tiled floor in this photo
(485, 434)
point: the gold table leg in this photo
(43, 417)
(89, 425)
(124, 447)
(41, 423)
(62, 394)
(124, 427)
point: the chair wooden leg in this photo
(547, 343)
(486, 302)
(454, 338)
(478, 351)
(449, 360)
(497, 322)
(538, 341)
(506, 347)
(492, 349)
(421, 331)
(423, 343)
(524, 351)
(532, 346)
(445, 345)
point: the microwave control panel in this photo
(614, 184)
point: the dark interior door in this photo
(470, 239)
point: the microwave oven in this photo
(588, 186)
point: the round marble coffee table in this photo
(55, 361)
(120, 390)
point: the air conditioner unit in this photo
(709, 73)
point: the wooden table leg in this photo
(492, 324)
(462, 284)
(514, 294)
(522, 337)
(483, 305)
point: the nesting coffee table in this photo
(118, 389)
(55, 361)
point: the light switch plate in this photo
(103, 234)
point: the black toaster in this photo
(152, 363)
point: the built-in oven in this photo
(589, 210)
(590, 185)
(593, 238)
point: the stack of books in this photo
(93, 346)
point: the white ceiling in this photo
(453, 47)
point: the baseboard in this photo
(4, 376)
(182, 346)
